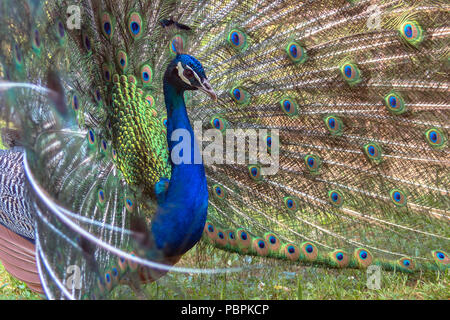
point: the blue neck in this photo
(181, 216)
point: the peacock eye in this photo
(188, 73)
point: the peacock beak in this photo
(206, 88)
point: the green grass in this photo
(268, 279)
(13, 289)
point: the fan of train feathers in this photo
(349, 101)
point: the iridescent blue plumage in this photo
(180, 219)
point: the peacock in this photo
(311, 131)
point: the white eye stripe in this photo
(196, 75)
(181, 74)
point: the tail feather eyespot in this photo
(272, 241)
(219, 123)
(240, 95)
(291, 203)
(231, 236)
(441, 257)
(122, 60)
(130, 205)
(60, 32)
(411, 32)
(350, 72)
(219, 191)
(107, 72)
(334, 125)
(108, 280)
(260, 247)
(135, 25)
(373, 152)
(146, 75)
(210, 230)
(398, 197)
(296, 52)
(238, 39)
(132, 264)
(406, 263)
(101, 196)
(363, 257)
(75, 101)
(336, 198)
(221, 237)
(309, 251)
(313, 163)
(243, 238)
(289, 106)
(340, 258)
(107, 25)
(436, 138)
(291, 252)
(255, 172)
(122, 262)
(92, 139)
(36, 41)
(395, 103)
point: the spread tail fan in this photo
(327, 145)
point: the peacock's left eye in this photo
(188, 73)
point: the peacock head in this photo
(186, 73)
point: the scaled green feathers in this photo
(139, 137)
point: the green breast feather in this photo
(139, 136)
